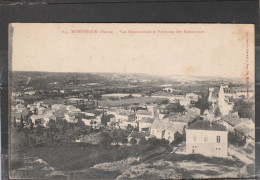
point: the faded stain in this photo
(189, 70)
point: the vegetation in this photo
(236, 138)
(244, 109)
(202, 104)
(136, 100)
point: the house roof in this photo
(205, 125)
(125, 113)
(177, 126)
(143, 112)
(147, 120)
(232, 119)
(168, 125)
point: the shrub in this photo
(133, 141)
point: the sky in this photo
(158, 49)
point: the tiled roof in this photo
(232, 119)
(147, 120)
(205, 125)
(168, 125)
(143, 112)
(126, 113)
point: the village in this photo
(143, 120)
(176, 119)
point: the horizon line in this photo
(127, 73)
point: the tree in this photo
(176, 107)
(104, 119)
(124, 140)
(35, 110)
(142, 141)
(14, 121)
(236, 138)
(202, 104)
(244, 109)
(133, 141)
(39, 130)
(153, 141)
(21, 122)
(105, 139)
(31, 125)
(217, 111)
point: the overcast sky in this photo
(219, 51)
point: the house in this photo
(19, 101)
(57, 106)
(128, 123)
(168, 89)
(16, 94)
(145, 124)
(185, 102)
(42, 119)
(165, 129)
(36, 119)
(124, 115)
(140, 114)
(87, 122)
(38, 103)
(70, 118)
(73, 109)
(19, 107)
(162, 111)
(41, 110)
(207, 138)
(192, 96)
(29, 93)
(113, 110)
(225, 106)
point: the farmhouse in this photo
(207, 138)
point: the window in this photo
(218, 139)
(205, 139)
(218, 149)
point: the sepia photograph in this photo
(131, 101)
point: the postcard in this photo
(131, 101)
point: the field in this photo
(131, 101)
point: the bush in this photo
(236, 138)
(142, 141)
(124, 140)
(105, 139)
(133, 141)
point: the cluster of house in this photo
(41, 113)
(224, 96)
(205, 134)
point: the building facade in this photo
(207, 138)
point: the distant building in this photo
(207, 138)
(145, 124)
(144, 114)
(30, 93)
(224, 105)
(192, 96)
